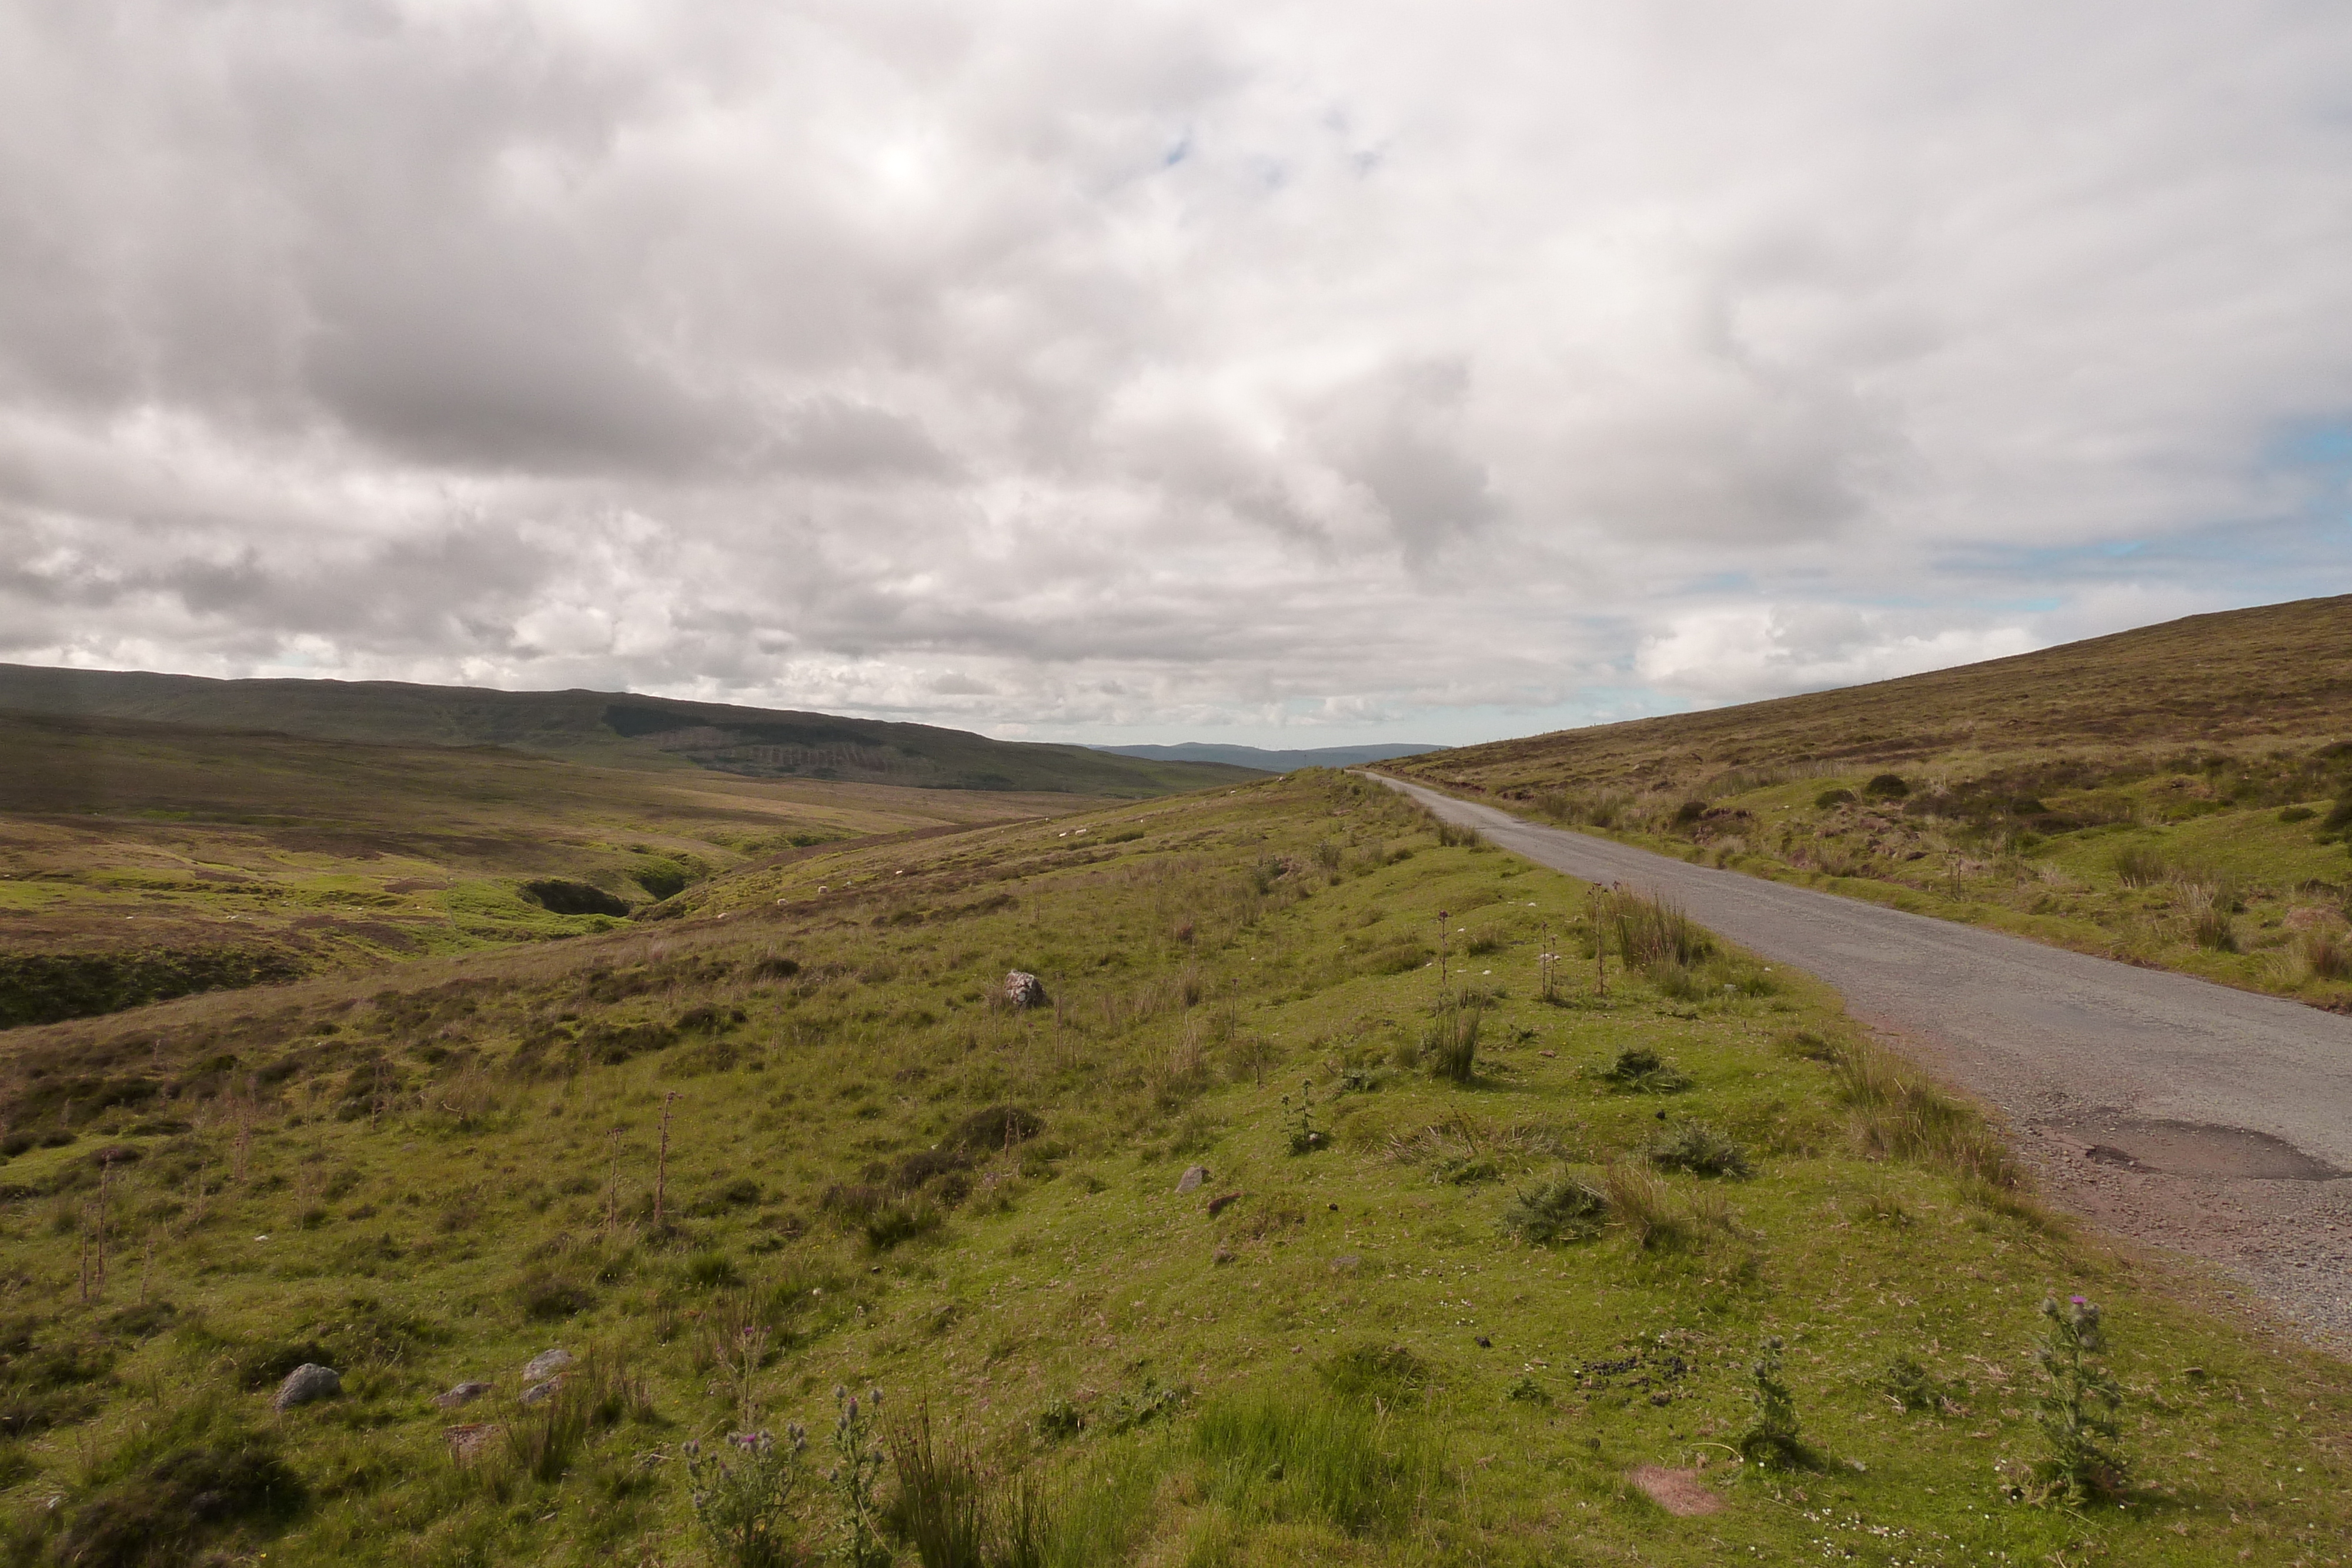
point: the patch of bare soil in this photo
(1683, 1493)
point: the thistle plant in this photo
(742, 1491)
(1304, 1138)
(2076, 1410)
(855, 1472)
(1771, 1439)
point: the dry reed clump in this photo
(1649, 932)
(2324, 955)
(1900, 1115)
(1644, 1208)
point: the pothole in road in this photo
(2197, 1149)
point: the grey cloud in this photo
(1040, 365)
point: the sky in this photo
(1281, 373)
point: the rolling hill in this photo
(612, 729)
(1276, 761)
(2179, 795)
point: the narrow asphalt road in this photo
(2211, 1120)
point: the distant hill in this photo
(1272, 761)
(2281, 671)
(611, 728)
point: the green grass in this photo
(412, 1176)
(142, 860)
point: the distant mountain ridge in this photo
(1272, 761)
(610, 728)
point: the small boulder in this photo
(1193, 1177)
(539, 1393)
(306, 1382)
(464, 1393)
(1022, 990)
(546, 1364)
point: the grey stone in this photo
(1193, 1177)
(546, 1364)
(306, 1382)
(464, 1393)
(1346, 1264)
(1022, 990)
(540, 1392)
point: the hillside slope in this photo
(140, 861)
(2179, 795)
(613, 729)
(1273, 761)
(2239, 680)
(1330, 1210)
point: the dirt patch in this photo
(2199, 1149)
(1683, 1493)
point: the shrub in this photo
(1638, 1069)
(997, 1127)
(1561, 1209)
(1700, 1150)
(1144, 1403)
(162, 1513)
(546, 1297)
(1829, 798)
(2297, 814)
(893, 1223)
(1886, 786)
(2076, 1410)
(1453, 836)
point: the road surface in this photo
(2211, 1120)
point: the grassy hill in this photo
(1484, 1254)
(1263, 761)
(613, 728)
(2177, 795)
(140, 861)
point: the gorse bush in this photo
(1700, 1150)
(1561, 1209)
(1639, 1070)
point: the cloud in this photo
(1229, 368)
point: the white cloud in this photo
(1202, 367)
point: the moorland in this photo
(2179, 795)
(176, 845)
(1344, 1191)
